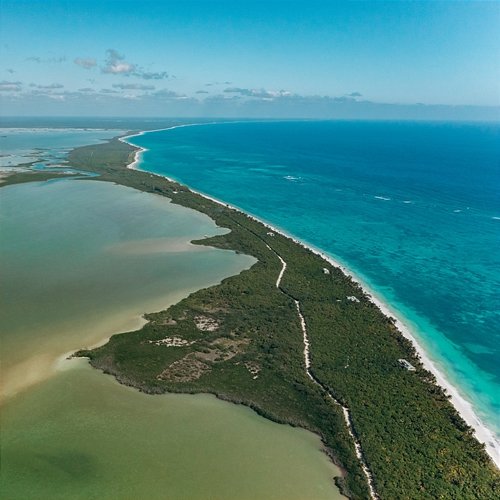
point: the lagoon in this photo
(47, 146)
(82, 435)
(82, 260)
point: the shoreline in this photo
(464, 408)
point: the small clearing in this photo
(206, 324)
(172, 342)
(186, 369)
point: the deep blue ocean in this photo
(413, 209)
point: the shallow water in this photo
(48, 145)
(81, 435)
(81, 260)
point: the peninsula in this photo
(301, 343)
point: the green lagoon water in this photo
(81, 260)
(83, 436)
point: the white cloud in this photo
(52, 86)
(133, 86)
(40, 60)
(258, 93)
(167, 94)
(6, 86)
(152, 76)
(115, 64)
(119, 67)
(85, 62)
(212, 84)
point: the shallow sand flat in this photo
(22, 145)
(155, 245)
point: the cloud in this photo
(152, 76)
(40, 60)
(83, 95)
(10, 70)
(57, 97)
(263, 95)
(167, 94)
(115, 64)
(85, 62)
(130, 97)
(133, 86)
(52, 86)
(6, 86)
(267, 103)
(38, 92)
(211, 84)
(219, 98)
(113, 102)
(258, 93)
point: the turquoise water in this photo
(411, 208)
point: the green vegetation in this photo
(32, 176)
(242, 341)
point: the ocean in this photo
(411, 208)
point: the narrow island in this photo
(301, 343)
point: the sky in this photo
(311, 59)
